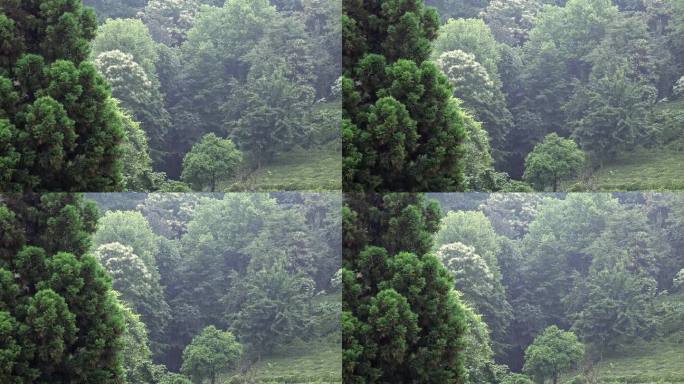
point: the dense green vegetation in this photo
(402, 320)
(261, 75)
(576, 288)
(221, 285)
(606, 74)
(59, 127)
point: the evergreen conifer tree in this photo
(60, 321)
(402, 130)
(402, 321)
(59, 127)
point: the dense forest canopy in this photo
(124, 95)
(564, 282)
(562, 89)
(168, 288)
(261, 267)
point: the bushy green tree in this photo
(473, 229)
(130, 36)
(271, 307)
(129, 228)
(138, 174)
(138, 285)
(270, 114)
(211, 352)
(479, 286)
(60, 128)
(401, 127)
(211, 161)
(401, 320)
(612, 306)
(552, 161)
(169, 21)
(60, 321)
(609, 115)
(137, 94)
(512, 20)
(552, 353)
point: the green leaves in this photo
(553, 352)
(395, 103)
(64, 125)
(213, 351)
(211, 161)
(402, 321)
(552, 161)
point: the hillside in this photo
(300, 170)
(645, 363)
(641, 170)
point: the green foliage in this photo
(479, 171)
(137, 93)
(131, 37)
(115, 9)
(552, 161)
(512, 20)
(397, 294)
(211, 352)
(480, 93)
(553, 352)
(401, 127)
(612, 306)
(169, 21)
(46, 87)
(480, 287)
(138, 174)
(272, 305)
(610, 114)
(270, 114)
(471, 36)
(59, 319)
(454, 9)
(130, 229)
(138, 285)
(211, 161)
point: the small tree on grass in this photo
(211, 352)
(553, 352)
(553, 160)
(211, 160)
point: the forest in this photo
(514, 288)
(170, 95)
(170, 288)
(540, 95)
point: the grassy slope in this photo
(654, 169)
(317, 362)
(659, 362)
(312, 170)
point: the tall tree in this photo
(213, 351)
(402, 321)
(401, 126)
(59, 124)
(552, 353)
(60, 321)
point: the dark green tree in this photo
(552, 353)
(60, 321)
(211, 352)
(211, 161)
(60, 127)
(272, 307)
(552, 161)
(402, 130)
(402, 321)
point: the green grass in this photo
(300, 170)
(659, 362)
(317, 362)
(641, 170)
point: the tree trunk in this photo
(555, 378)
(213, 377)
